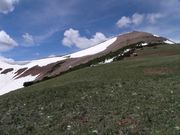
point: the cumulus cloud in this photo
(126, 21)
(73, 37)
(7, 6)
(137, 19)
(12, 61)
(7, 60)
(6, 42)
(28, 39)
(152, 18)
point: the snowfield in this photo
(8, 82)
(94, 50)
(169, 42)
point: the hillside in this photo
(136, 96)
(15, 76)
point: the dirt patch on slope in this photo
(159, 71)
(7, 71)
(20, 71)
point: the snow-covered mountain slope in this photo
(94, 50)
(13, 76)
(10, 74)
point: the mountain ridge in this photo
(17, 76)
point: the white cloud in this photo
(7, 60)
(7, 6)
(137, 18)
(28, 39)
(73, 37)
(152, 18)
(12, 61)
(125, 21)
(6, 42)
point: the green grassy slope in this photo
(137, 96)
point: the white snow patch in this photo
(9, 84)
(69, 127)
(168, 42)
(30, 64)
(156, 35)
(44, 62)
(144, 44)
(95, 131)
(109, 60)
(95, 49)
(127, 50)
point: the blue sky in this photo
(32, 29)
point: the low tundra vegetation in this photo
(136, 96)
